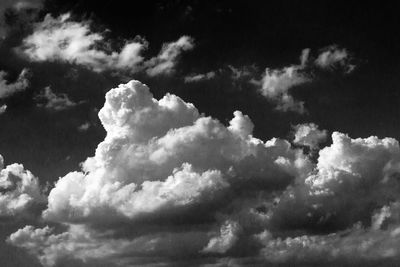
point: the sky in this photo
(199, 133)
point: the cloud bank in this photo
(169, 185)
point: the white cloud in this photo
(20, 84)
(19, 190)
(52, 101)
(84, 127)
(225, 240)
(275, 85)
(308, 134)
(199, 77)
(165, 61)
(334, 57)
(352, 177)
(62, 40)
(3, 109)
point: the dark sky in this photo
(252, 35)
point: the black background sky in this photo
(237, 33)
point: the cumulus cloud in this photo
(199, 77)
(19, 190)
(55, 102)
(168, 142)
(170, 184)
(309, 135)
(162, 160)
(60, 39)
(20, 84)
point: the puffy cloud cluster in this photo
(276, 84)
(160, 156)
(162, 160)
(361, 173)
(20, 84)
(61, 39)
(19, 190)
(52, 101)
(170, 185)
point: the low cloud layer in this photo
(170, 185)
(61, 39)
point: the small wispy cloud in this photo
(56, 102)
(191, 78)
(20, 84)
(276, 84)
